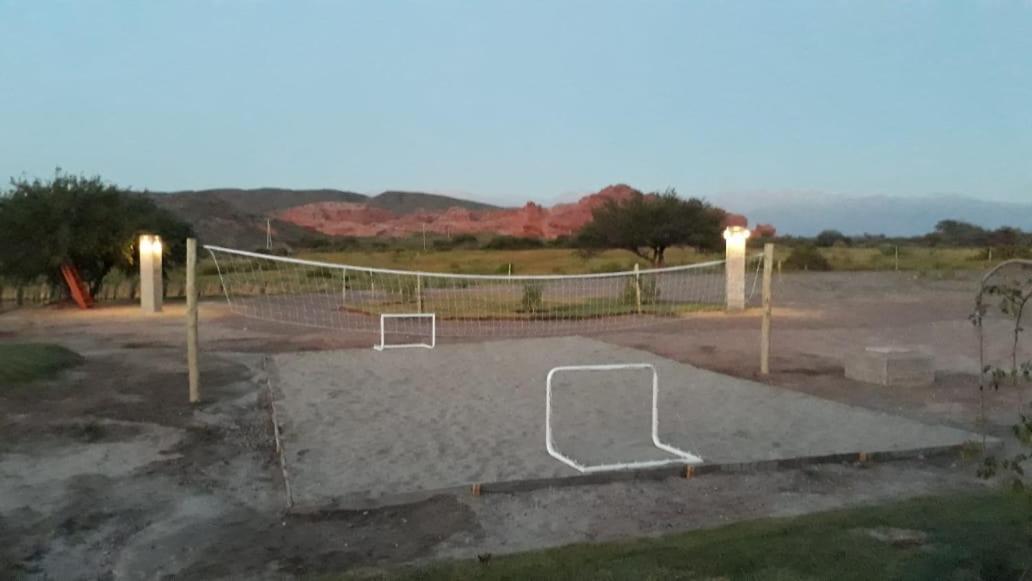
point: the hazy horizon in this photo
(510, 102)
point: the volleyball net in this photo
(350, 298)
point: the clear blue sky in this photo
(510, 101)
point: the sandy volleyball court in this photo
(362, 427)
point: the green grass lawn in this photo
(973, 536)
(25, 362)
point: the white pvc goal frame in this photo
(683, 456)
(383, 337)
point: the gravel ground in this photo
(108, 473)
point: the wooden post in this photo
(768, 269)
(419, 293)
(637, 286)
(191, 320)
(897, 257)
(343, 287)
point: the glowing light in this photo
(736, 233)
(150, 245)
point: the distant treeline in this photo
(947, 234)
(429, 242)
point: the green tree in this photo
(957, 233)
(84, 221)
(649, 224)
(828, 238)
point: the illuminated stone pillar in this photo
(734, 268)
(150, 273)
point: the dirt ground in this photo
(107, 472)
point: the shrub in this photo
(807, 257)
(1007, 252)
(561, 241)
(649, 291)
(587, 252)
(611, 266)
(464, 240)
(532, 300)
(513, 243)
(276, 251)
(829, 238)
(85, 222)
(890, 250)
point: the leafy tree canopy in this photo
(84, 221)
(958, 233)
(649, 224)
(829, 238)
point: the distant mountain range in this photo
(808, 214)
(441, 215)
(237, 217)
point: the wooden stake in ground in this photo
(637, 287)
(191, 320)
(768, 270)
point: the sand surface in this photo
(361, 425)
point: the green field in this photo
(967, 537)
(537, 261)
(25, 362)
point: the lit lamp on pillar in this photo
(734, 267)
(150, 273)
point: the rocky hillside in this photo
(441, 215)
(237, 217)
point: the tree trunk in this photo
(657, 253)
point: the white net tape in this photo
(352, 298)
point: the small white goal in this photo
(682, 456)
(383, 331)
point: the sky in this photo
(508, 101)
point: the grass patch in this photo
(25, 362)
(971, 536)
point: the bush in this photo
(807, 257)
(587, 252)
(1007, 252)
(464, 240)
(649, 291)
(513, 243)
(275, 251)
(829, 238)
(532, 300)
(85, 222)
(561, 241)
(610, 266)
(889, 250)
(321, 242)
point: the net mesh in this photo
(352, 298)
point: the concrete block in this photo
(891, 366)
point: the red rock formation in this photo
(532, 220)
(736, 220)
(764, 231)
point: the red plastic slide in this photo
(76, 287)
